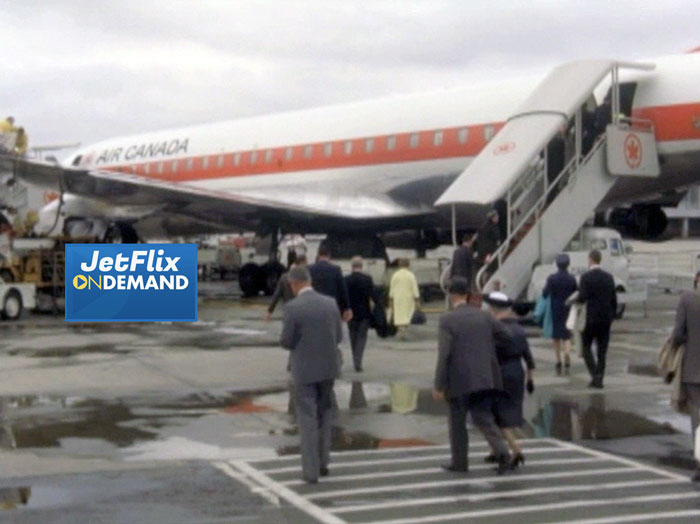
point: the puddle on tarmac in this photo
(568, 419)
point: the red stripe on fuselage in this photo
(676, 122)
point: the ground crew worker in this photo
(22, 142)
(8, 125)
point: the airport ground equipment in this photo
(15, 297)
(543, 213)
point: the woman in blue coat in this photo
(560, 286)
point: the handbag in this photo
(418, 318)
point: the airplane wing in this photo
(301, 210)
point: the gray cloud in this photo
(85, 70)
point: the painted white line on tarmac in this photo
(466, 482)
(300, 502)
(636, 518)
(572, 488)
(625, 461)
(403, 460)
(403, 449)
(533, 508)
(228, 470)
(437, 469)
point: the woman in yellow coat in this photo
(403, 293)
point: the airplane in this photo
(358, 169)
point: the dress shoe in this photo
(454, 469)
(557, 368)
(311, 481)
(324, 472)
(503, 464)
(517, 461)
(491, 459)
(358, 369)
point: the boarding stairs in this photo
(544, 210)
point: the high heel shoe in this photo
(491, 459)
(518, 459)
(557, 368)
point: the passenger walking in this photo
(361, 293)
(283, 290)
(559, 287)
(327, 279)
(468, 375)
(311, 332)
(403, 296)
(463, 260)
(687, 333)
(597, 291)
(509, 409)
(489, 238)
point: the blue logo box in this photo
(131, 282)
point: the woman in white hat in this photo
(509, 409)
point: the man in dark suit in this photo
(463, 260)
(597, 291)
(312, 331)
(468, 374)
(360, 292)
(327, 279)
(687, 333)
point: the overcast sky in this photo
(83, 70)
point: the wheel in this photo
(620, 311)
(12, 305)
(250, 279)
(121, 233)
(272, 273)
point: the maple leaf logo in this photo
(633, 151)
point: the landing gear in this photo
(254, 279)
(121, 233)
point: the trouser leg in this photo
(326, 406)
(307, 420)
(359, 343)
(587, 340)
(484, 420)
(603, 339)
(693, 395)
(459, 439)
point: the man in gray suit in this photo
(312, 331)
(687, 332)
(468, 375)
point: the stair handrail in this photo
(572, 165)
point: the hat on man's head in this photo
(458, 286)
(498, 299)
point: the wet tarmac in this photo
(138, 422)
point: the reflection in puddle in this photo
(12, 498)
(569, 420)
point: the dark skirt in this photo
(509, 409)
(559, 315)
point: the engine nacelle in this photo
(642, 221)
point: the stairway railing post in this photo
(454, 226)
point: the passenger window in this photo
(189, 164)
(253, 157)
(220, 161)
(237, 159)
(348, 147)
(391, 142)
(205, 162)
(437, 138)
(288, 153)
(173, 166)
(146, 168)
(414, 140)
(599, 244)
(489, 131)
(328, 149)
(161, 168)
(308, 150)
(268, 156)
(369, 145)
(463, 135)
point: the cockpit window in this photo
(76, 160)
